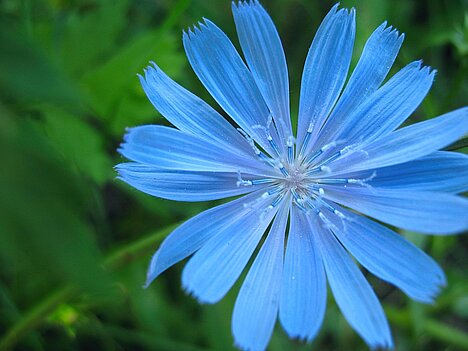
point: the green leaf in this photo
(81, 144)
(27, 74)
(84, 42)
(114, 90)
(43, 213)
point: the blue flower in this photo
(301, 191)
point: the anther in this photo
(262, 181)
(290, 144)
(322, 150)
(307, 137)
(242, 182)
(265, 158)
(275, 190)
(277, 200)
(363, 182)
(250, 141)
(273, 144)
(282, 169)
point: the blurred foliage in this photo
(75, 243)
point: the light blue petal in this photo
(387, 108)
(256, 305)
(194, 233)
(406, 144)
(213, 270)
(440, 171)
(264, 54)
(182, 185)
(223, 73)
(389, 256)
(169, 148)
(376, 60)
(421, 211)
(188, 112)
(304, 290)
(325, 70)
(353, 294)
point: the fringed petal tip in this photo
(196, 29)
(301, 337)
(381, 345)
(202, 300)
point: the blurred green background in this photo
(75, 242)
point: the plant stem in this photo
(34, 317)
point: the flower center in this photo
(296, 179)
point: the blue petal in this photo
(193, 234)
(213, 270)
(188, 112)
(264, 54)
(169, 148)
(304, 291)
(391, 257)
(421, 211)
(353, 294)
(182, 185)
(221, 70)
(256, 306)
(406, 144)
(325, 70)
(440, 171)
(387, 108)
(376, 60)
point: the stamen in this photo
(242, 182)
(277, 200)
(296, 196)
(250, 141)
(290, 144)
(306, 141)
(263, 181)
(333, 180)
(298, 200)
(326, 147)
(265, 158)
(282, 169)
(273, 144)
(270, 207)
(275, 190)
(321, 167)
(330, 208)
(256, 203)
(363, 182)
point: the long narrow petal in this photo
(387, 108)
(171, 149)
(391, 257)
(221, 70)
(256, 306)
(182, 185)
(406, 144)
(441, 171)
(325, 70)
(421, 211)
(304, 290)
(374, 64)
(190, 236)
(353, 294)
(188, 112)
(264, 54)
(213, 270)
